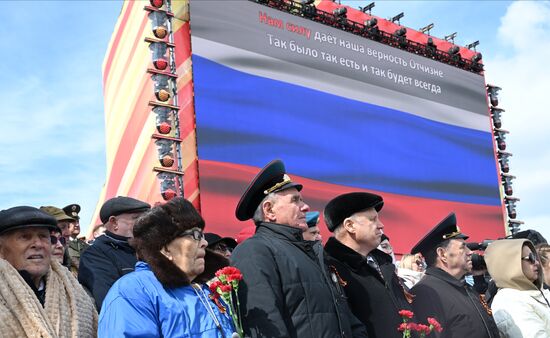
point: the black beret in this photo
(25, 217)
(214, 239)
(121, 205)
(72, 210)
(343, 206)
(444, 230)
(272, 178)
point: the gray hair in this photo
(259, 213)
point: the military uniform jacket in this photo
(286, 290)
(374, 299)
(106, 260)
(455, 304)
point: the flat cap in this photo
(25, 217)
(272, 178)
(121, 205)
(72, 210)
(312, 218)
(444, 230)
(214, 239)
(343, 206)
(57, 213)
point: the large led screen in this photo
(344, 113)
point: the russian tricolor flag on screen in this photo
(335, 135)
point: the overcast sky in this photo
(52, 132)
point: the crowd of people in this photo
(148, 274)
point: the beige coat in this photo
(68, 311)
(520, 307)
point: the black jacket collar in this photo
(352, 258)
(281, 231)
(443, 275)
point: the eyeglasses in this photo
(531, 258)
(55, 239)
(197, 234)
(222, 247)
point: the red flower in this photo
(406, 314)
(421, 328)
(436, 326)
(228, 270)
(225, 288)
(403, 327)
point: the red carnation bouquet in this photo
(407, 327)
(227, 287)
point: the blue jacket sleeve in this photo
(125, 317)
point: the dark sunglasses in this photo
(54, 240)
(197, 234)
(222, 247)
(531, 258)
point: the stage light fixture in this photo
(163, 118)
(473, 45)
(397, 18)
(454, 50)
(451, 37)
(496, 115)
(308, 8)
(162, 87)
(430, 46)
(511, 206)
(159, 21)
(504, 160)
(371, 23)
(507, 183)
(514, 226)
(159, 55)
(500, 135)
(167, 185)
(401, 32)
(426, 29)
(156, 3)
(340, 12)
(165, 150)
(492, 91)
(368, 8)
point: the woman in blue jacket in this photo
(165, 296)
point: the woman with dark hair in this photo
(165, 295)
(520, 307)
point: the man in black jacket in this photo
(442, 292)
(367, 274)
(286, 289)
(110, 256)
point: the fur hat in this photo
(160, 226)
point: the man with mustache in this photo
(442, 293)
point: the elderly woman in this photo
(520, 307)
(164, 296)
(58, 243)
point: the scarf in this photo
(68, 310)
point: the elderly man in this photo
(442, 292)
(38, 297)
(286, 290)
(76, 245)
(111, 256)
(367, 274)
